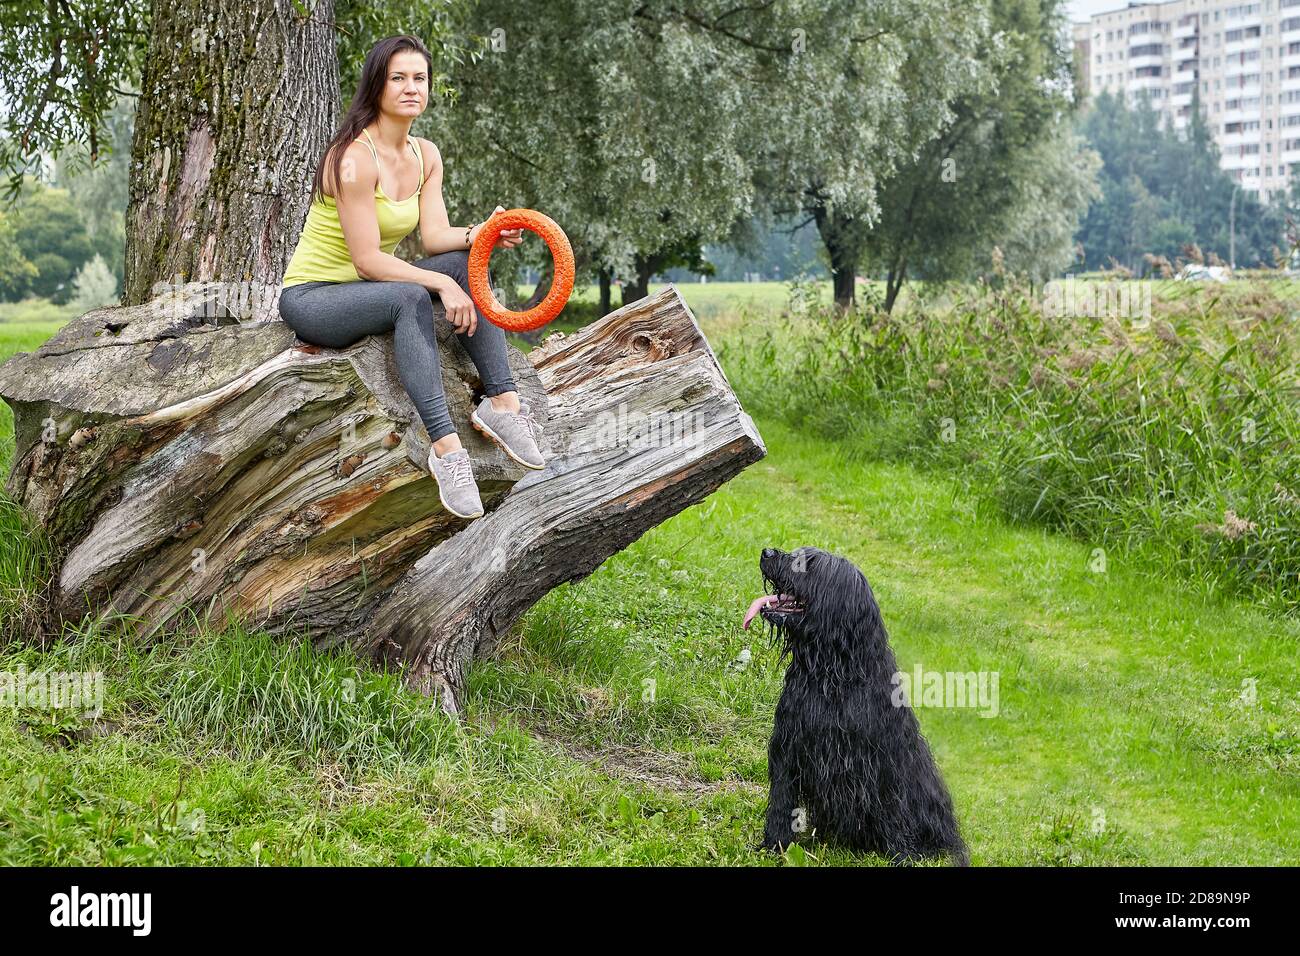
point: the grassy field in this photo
(1139, 720)
(1169, 433)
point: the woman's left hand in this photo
(509, 238)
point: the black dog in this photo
(845, 762)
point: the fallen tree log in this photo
(189, 459)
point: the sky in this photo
(1083, 9)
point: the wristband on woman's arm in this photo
(467, 232)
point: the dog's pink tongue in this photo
(758, 604)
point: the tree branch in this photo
(715, 27)
(743, 8)
(56, 71)
(513, 155)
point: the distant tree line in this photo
(1163, 194)
(63, 239)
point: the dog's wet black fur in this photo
(845, 763)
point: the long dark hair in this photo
(365, 105)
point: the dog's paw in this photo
(771, 845)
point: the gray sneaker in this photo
(456, 486)
(516, 432)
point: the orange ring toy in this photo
(480, 289)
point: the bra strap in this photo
(419, 154)
(373, 152)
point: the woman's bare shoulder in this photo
(363, 167)
(432, 157)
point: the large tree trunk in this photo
(189, 453)
(894, 284)
(639, 287)
(606, 281)
(842, 236)
(238, 100)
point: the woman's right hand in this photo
(460, 307)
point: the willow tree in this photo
(613, 116)
(1004, 171)
(689, 115)
(862, 86)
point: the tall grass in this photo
(252, 694)
(1172, 438)
(24, 546)
(24, 570)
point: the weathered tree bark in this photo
(238, 100)
(189, 454)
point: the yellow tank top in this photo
(322, 252)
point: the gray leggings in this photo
(338, 314)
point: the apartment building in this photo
(1243, 56)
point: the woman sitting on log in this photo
(344, 282)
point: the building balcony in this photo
(1147, 82)
(1240, 92)
(1236, 139)
(1233, 71)
(1150, 59)
(1152, 28)
(1239, 115)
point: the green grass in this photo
(21, 548)
(1174, 438)
(34, 312)
(1122, 735)
(1117, 697)
(26, 336)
